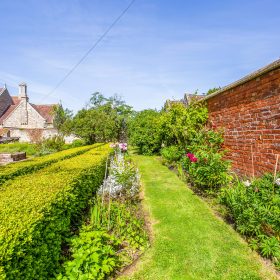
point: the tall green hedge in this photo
(36, 212)
(13, 170)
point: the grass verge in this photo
(190, 242)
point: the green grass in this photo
(30, 149)
(189, 241)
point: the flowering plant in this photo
(192, 157)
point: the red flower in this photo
(192, 157)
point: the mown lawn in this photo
(189, 241)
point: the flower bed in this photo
(36, 212)
(114, 234)
(255, 209)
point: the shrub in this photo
(77, 143)
(171, 154)
(50, 145)
(179, 123)
(94, 255)
(207, 169)
(144, 132)
(255, 209)
(36, 213)
(13, 170)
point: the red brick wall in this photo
(250, 115)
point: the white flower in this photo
(277, 181)
(247, 183)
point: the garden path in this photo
(189, 241)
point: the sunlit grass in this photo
(190, 242)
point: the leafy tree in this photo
(104, 119)
(62, 119)
(144, 131)
(179, 124)
(212, 90)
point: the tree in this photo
(178, 124)
(144, 131)
(62, 119)
(212, 90)
(104, 119)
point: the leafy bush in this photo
(94, 255)
(208, 170)
(77, 143)
(255, 209)
(144, 132)
(36, 213)
(13, 170)
(51, 145)
(178, 123)
(171, 154)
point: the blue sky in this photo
(159, 50)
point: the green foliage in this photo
(62, 119)
(51, 145)
(13, 170)
(179, 123)
(144, 131)
(212, 90)
(94, 255)
(171, 154)
(123, 219)
(210, 171)
(36, 213)
(255, 210)
(104, 119)
(114, 233)
(30, 149)
(77, 143)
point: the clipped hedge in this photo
(13, 170)
(36, 212)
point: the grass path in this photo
(189, 241)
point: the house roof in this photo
(272, 66)
(46, 111)
(10, 109)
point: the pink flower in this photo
(192, 157)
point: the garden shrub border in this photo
(31, 239)
(13, 170)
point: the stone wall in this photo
(32, 135)
(24, 116)
(249, 112)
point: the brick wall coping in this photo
(272, 66)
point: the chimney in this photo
(23, 91)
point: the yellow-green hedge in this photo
(36, 212)
(13, 170)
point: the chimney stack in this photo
(23, 91)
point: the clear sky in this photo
(159, 50)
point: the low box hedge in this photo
(13, 170)
(37, 211)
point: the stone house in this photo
(25, 120)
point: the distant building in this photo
(22, 119)
(186, 100)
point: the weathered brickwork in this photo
(249, 112)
